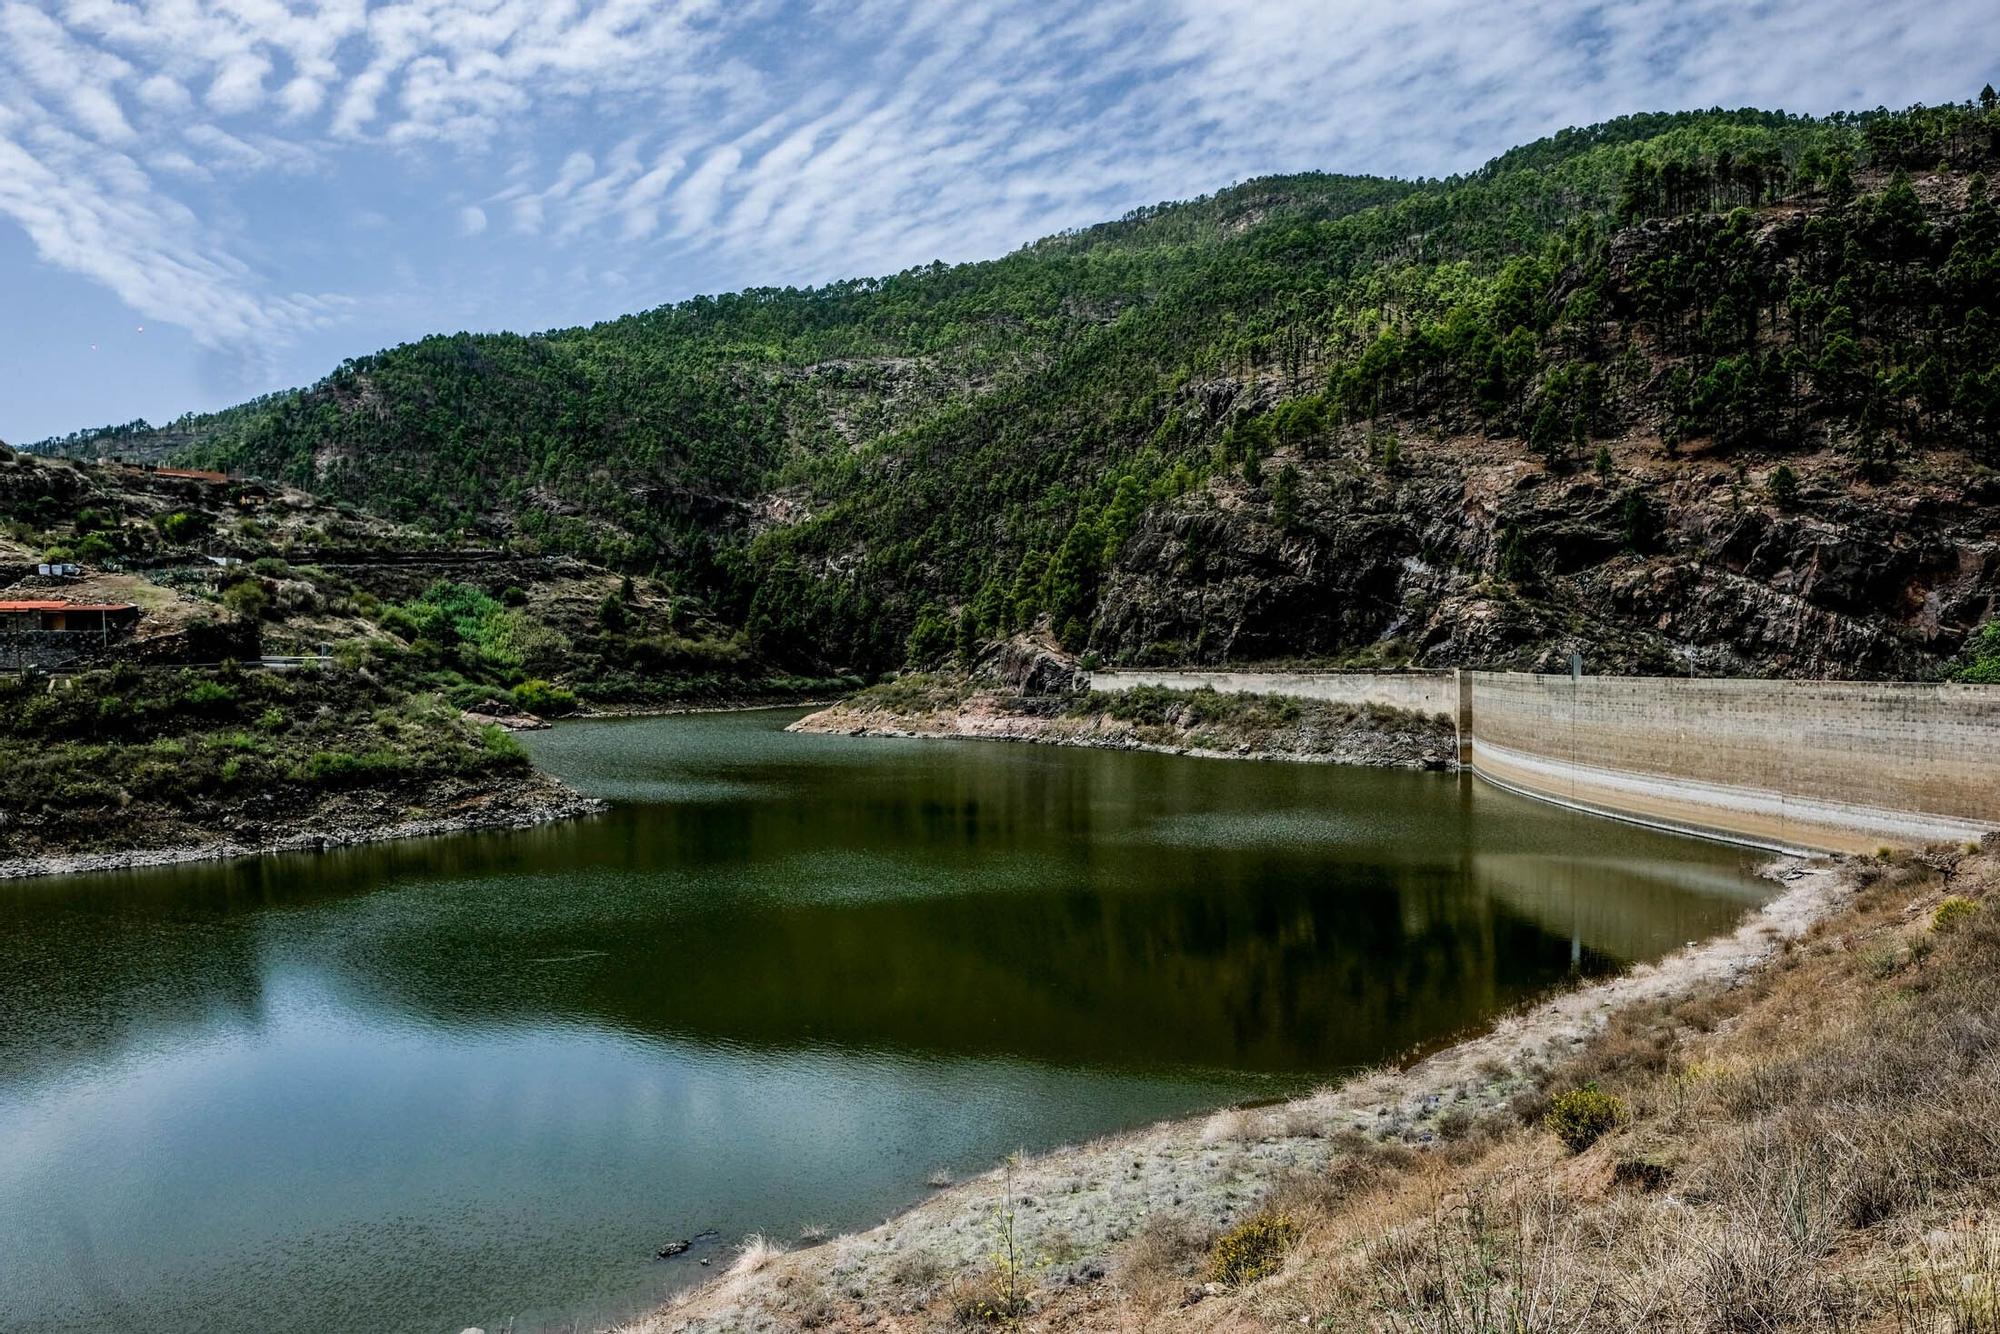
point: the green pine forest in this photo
(888, 471)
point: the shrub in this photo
(1783, 486)
(538, 696)
(336, 766)
(182, 526)
(212, 697)
(1581, 1116)
(1252, 1249)
(1953, 912)
(247, 599)
(501, 746)
(1982, 655)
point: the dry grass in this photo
(758, 1251)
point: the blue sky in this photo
(202, 200)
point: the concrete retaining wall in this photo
(1841, 766)
(1419, 692)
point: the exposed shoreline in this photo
(1320, 733)
(538, 799)
(545, 802)
(596, 713)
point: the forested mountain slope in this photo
(1719, 388)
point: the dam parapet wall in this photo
(1845, 766)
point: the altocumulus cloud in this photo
(764, 140)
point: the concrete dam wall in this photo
(1841, 766)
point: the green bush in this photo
(1252, 1249)
(539, 697)
(501, 746)
(1580, 1117)
(1783, 487)
(247, 599)
(334, 766)
(1982, 656)
(181, 526)
(1953, 913)
(209, 697)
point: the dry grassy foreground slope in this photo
(1796, 1128)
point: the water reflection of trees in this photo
(1077, 909)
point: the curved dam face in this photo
(1835, 766)
(1843, 766)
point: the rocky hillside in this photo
(1711, 391)
(1472, 553)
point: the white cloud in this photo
(786, 140)
(238, 85)
(301, 97)
(163, 95)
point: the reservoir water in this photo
(784, 981)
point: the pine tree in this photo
(1285, 498)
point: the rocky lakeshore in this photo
(447, 808)
(1199, 723)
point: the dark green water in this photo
(436, 1084)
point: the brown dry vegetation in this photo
(1816, 1146)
